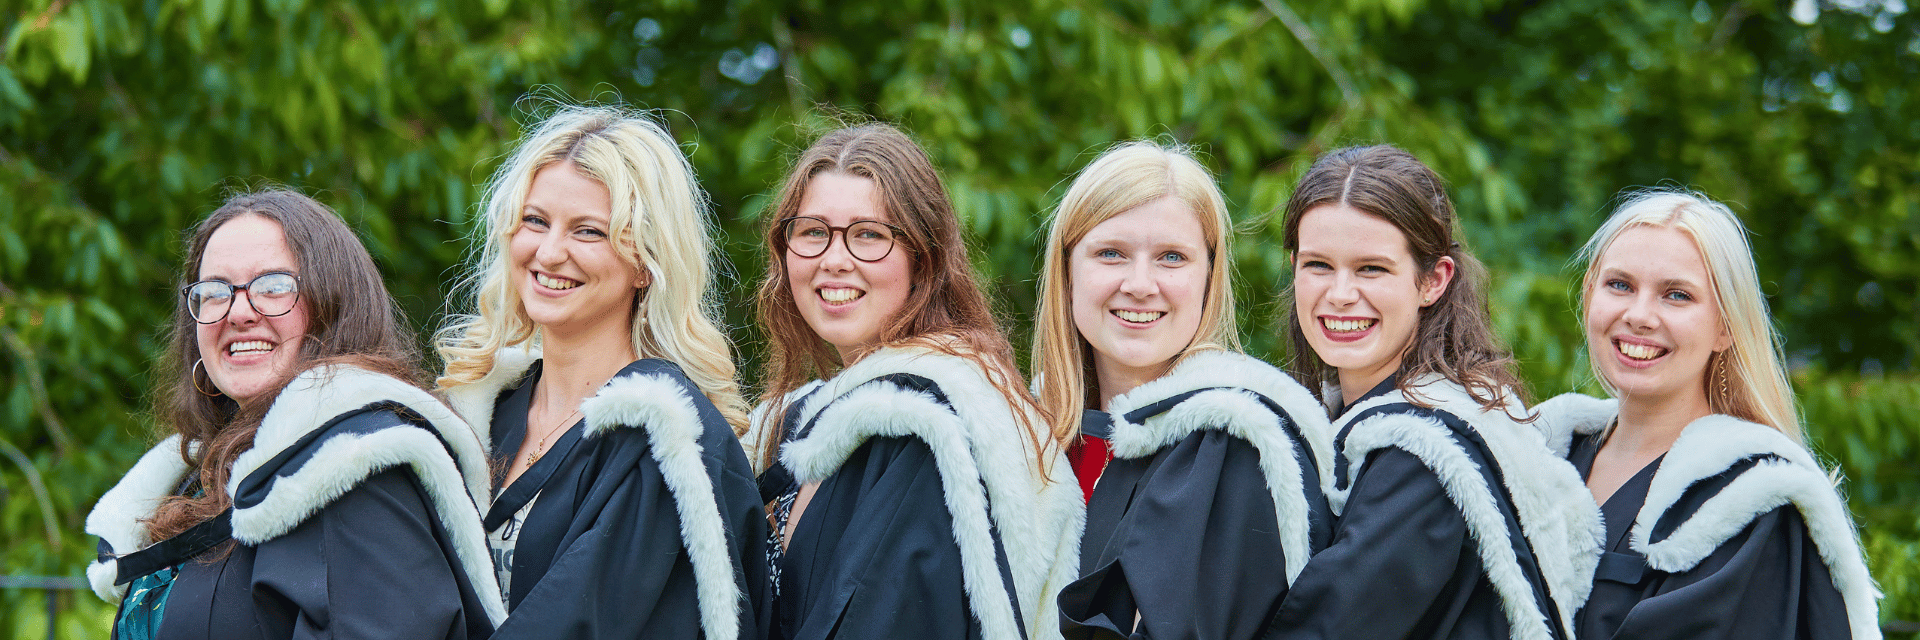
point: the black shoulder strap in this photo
(176, 550)
(528, 485)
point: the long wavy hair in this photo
(661, 224)
(1129, 175)
(351, 319)
(1454, 337)
(1750, 370)
(945, 310)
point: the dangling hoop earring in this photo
(193, 373)
(1720, 371)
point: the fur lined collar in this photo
(456, 484)
(1227, 406)
(475, 401)
(975, 443)
(1559, 521)
(1707, 447)
(661, 403)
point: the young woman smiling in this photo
(914, 494)
(309, 488)
(1719, 522)
(1453, 520)
(1211, 502)
(625, 506)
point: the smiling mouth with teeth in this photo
(1638, 351)
(1141, 317)
(248, 346)
(840, 295)
(554, 283)
(1347, 326)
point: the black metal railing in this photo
(52, 585)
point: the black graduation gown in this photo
(1766, 582)
(373, 563)
(1186, 539)
(873, 555)
(601, 554)
(1402, 563)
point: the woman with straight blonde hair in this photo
(594, 360)
(1208, 496)
(1719, 522)
(913, 491)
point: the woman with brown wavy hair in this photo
(1452, 519)
(309, 485)
(915, 493)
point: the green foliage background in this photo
(123, 121)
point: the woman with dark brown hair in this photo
(309, 487)
(912, 489)
(1453, 520)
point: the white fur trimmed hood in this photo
(456, 484)
(1557, 516)
(976, 443)
(662, 406)
(1706, 448)
(1227, 406)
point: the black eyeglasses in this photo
(270, 294)
(867, 240)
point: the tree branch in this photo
(1348, 94)
(39, 488)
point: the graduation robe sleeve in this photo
(873, 554)
(1400, 565)
(367, 566)
(1190, 547)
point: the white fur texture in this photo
(1557, 516)
(1039, 520)
(456, 485)
(1572, 413)
(116, 517)
(661, 406)
(761, 426)
(1238, 413)
(474, 402)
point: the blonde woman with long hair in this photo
(1208, 496)
(593, 359)
(1719, 522)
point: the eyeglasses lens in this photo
(273, 294)
(868, 241)
(807, 237)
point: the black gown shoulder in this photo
(297, 557)
(1417, 510)
(1183, 530)
(650, 506)
(1766, 581)
(928, 519)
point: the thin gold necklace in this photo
(540, 448)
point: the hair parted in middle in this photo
(1125, 177)
(661, 223)
(1454, 338)
(945, 311)
(1758, 388)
